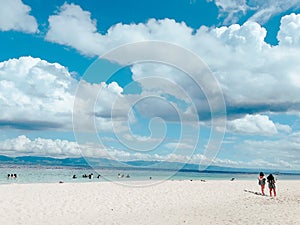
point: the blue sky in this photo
(58, 99)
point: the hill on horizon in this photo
(138, 164)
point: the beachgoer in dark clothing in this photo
(272, 186)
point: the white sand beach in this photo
(170, 202)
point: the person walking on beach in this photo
(262, 182)
(272, 187)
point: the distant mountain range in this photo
(107, 163)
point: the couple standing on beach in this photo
(262, 182)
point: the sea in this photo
(55, 174)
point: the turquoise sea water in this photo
(41, 174)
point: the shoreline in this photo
(50, 175)
(155, 181)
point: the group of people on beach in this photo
(90, 176)
(271, 183)
(11, 175)
(123, 175)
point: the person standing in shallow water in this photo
(262, 182)
(272, 187)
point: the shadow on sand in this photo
(254, 192)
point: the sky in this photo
(193, 81)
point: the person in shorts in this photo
(262, 182)
(272, 186)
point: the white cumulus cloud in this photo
(254, 125)
(35, 94)
(248, 69)
(74, 27)
(279, 152)
(38, 95)
(22, 146)
(289, 33)
(14, 15)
